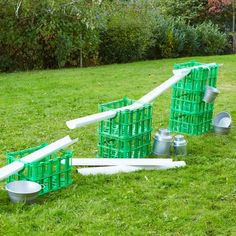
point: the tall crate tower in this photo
(128, 134)
(189, 114)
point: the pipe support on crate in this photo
(76, 123)
(16, 166)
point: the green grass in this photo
(197, 200)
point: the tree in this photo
(192, 11)
(224, 10)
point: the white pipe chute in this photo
(120, 161)
(16, 166)
(108, 170)
(178, 75)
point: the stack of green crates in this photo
(53, 172)
(189, 114)
(128, 134)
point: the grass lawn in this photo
(197, 200)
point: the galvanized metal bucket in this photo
(210, 94)
(222, 123)
(23, 191)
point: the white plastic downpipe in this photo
(120, 161)
(107, 170)
(73, 124)
(16, 166)
(124, 169)
(178, 75)
(41, 153)
(11, 169)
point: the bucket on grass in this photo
(222, 123)
(23, 191)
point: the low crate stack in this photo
(189, 114)
(53, 172)
(128, 134)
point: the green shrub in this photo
(187, 39)
(127, 37)
(191, 11)
(174, 38)
(211, 40)
(53, 34)
(45, 34)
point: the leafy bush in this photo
(43, 34)
(127, 37)
(174, 38)
(191, 11)
(188, 40)
(212, 41)
(53, 34)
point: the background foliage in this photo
(53, 34)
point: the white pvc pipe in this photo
(120, 161)
(169, 165)
(16, 166)
(174, 164)
(41, 153)
(180, 74)
(10, 169)
(107, 170)
(72, 124)
(124, 169)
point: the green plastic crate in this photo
(189, 114)
(53, 172)
(187, 64)
(198, 78)
(191, 119)
(188, 102)
(128, 134)
(187, 95)
(189, 128)
(136, 147)
(190, 124)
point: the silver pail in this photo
(222, 123)
(23, 191)
(210, 94)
